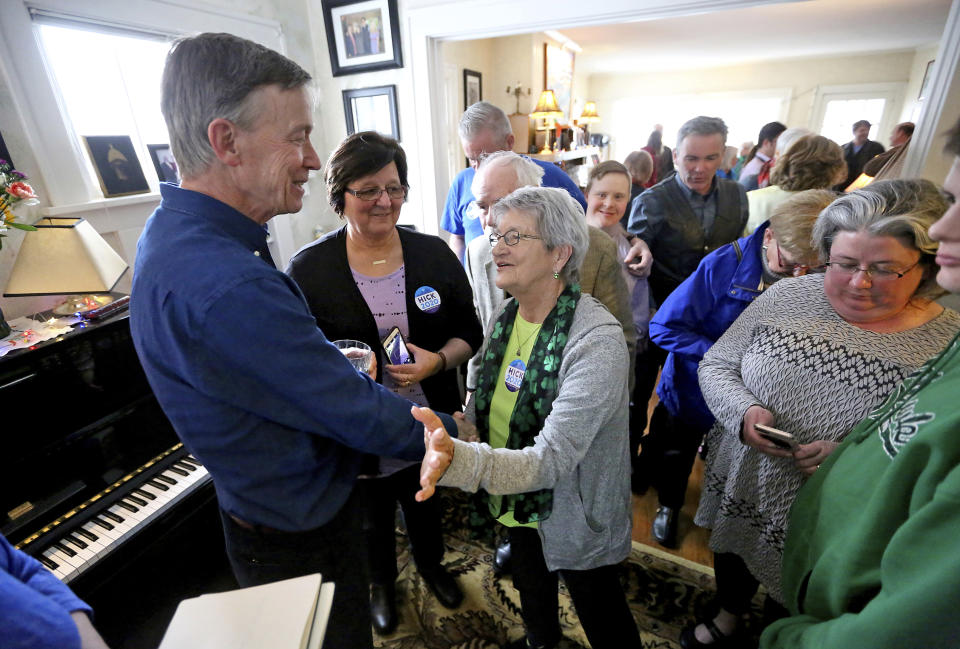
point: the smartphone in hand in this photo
(779, 437)
(396, 348)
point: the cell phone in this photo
(396, 348)
(779, 437)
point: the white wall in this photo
(801, 76)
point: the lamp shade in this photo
(64, 256)
(547, 106)
(589, 113)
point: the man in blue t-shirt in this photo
(484, 128)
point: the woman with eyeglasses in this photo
(812, 356)
(692, 318)
(551, 415)
(360, 282)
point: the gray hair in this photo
(529, 173)
(211, 76)
(702, 126)
(904, 209)
(560, 222)
(484, 116)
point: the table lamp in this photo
(66, 256)
(548, 110)
(587, 117)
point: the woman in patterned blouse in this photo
(812, 356)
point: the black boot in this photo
(442, 584)
(665, 526)
(501, 559)
(383, 608)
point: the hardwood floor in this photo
(692, 539)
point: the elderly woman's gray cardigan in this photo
(581, 453)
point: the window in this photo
(109, 83)
(633, 118)
(840, 115)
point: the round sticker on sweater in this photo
(427, 299)
(514, 376)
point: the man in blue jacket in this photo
(275, 412)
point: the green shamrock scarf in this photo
(537, 391)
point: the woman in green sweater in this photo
(871, 557)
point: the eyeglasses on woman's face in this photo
(789, 266)
(511, 238)
(395, 192)
(876, 274)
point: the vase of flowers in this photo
(14, 191)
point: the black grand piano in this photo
(95, 484)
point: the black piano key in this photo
(114, 517)
(165, 478)
(90, 536)
(178, 470)
(190, 460)
(185, 465)
(102, 523)
(159, 485)
(51, 565)
(77, 542)
(63, 548)
(137, 501)
(144, 494)
(129, 507)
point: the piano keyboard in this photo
(77, 551)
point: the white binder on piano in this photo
(289, 614)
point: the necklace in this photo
(526, 340)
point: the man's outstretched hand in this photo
(438, 451)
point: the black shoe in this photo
(665, 526)
(383, 608)
(501, 559)
(442, 584)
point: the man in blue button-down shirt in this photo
(276, 413)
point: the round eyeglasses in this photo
(394, 192)
(510, 238)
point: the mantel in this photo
(101, 204)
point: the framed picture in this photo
(116, 164)
(558, 76)
(164, 163)
(472, 88)
(362, 36)
(372, 109)
(925, 85)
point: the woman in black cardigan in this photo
(361, 281)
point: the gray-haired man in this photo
(484, 128)
(276, 413)
(682, 219)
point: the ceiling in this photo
(777, 31)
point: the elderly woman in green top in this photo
(551, 415)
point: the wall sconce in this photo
(517, 91)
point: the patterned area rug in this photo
(664, 591)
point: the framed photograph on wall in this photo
(372, 109)
(164, 163)
(116, 164)
(362, 36)
(558, 76)
(925, 84)
(472, 88)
